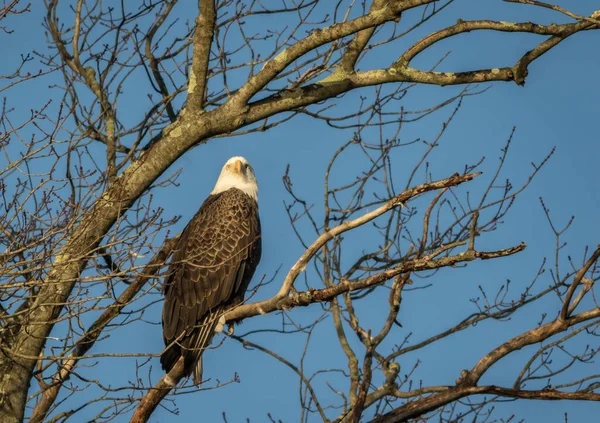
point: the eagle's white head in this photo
(237, 173)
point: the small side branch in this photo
(473, 231)
(564, 312)
(303, 299)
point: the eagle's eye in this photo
(246, 165)
(227, 166)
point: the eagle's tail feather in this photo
(197, 377)
(198, 342)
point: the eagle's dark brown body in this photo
(209, 273)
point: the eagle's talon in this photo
(220, 324)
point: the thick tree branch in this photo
(561, 31)
(341, 82)
(203, 38)
(318, 38)
(359, 42)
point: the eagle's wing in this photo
(215, 258)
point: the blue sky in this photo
(558, 107)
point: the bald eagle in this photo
(212, 265)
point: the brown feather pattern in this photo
(209, 273)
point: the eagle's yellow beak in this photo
(237, 166)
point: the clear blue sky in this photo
(557, 107)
